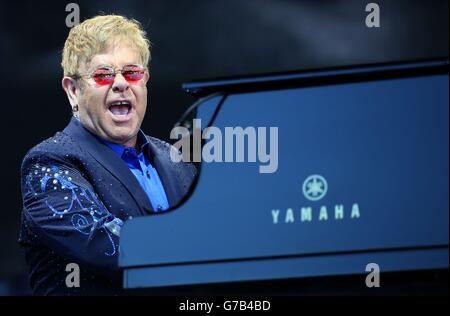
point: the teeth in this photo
(120, 103)
(120, 107)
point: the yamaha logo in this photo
(315, 187)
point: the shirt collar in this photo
(119, 149)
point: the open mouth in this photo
(120, 110)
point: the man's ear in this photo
(70, 86)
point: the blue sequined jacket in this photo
(77, 193)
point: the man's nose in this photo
(120, 84)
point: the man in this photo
(81, 185)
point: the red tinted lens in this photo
(133, 73)
(103, 77)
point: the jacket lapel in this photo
(165, 171)
(111, 162)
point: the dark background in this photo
(191, 40)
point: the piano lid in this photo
(311, 77)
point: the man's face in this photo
(99, 107)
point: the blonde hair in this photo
(98, 33)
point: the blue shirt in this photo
(144, 172)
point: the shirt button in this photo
(159, 207)
(147, 173)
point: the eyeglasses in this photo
(105, 75)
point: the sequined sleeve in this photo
(66, 214)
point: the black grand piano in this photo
(362, 177)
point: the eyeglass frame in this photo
(115, 71)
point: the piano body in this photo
(372, 139)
